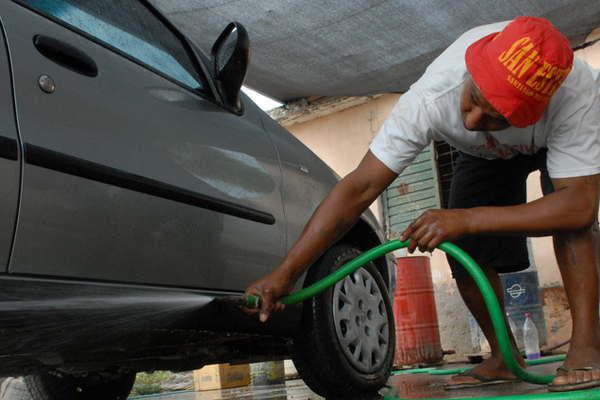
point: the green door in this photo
(412, 193)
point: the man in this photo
(511, 98)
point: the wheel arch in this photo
(365, 236)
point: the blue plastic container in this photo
(521, 295)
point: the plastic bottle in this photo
(484, 345)
(511, 325)
(513, 328)
(531, 339)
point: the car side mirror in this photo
(230, 55)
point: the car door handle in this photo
(66, 55)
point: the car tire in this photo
(355, 312)
(93, 386)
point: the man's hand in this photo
(270, 289)
(336, 214)
(434, 227)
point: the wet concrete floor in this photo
(293, 389)
(413, 386)
(432, 386)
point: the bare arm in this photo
(336, 214)
(572, 207)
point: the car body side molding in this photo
(50, 159)
(9, 148)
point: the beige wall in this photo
(342, 138)
(591, 54)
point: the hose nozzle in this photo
(251, 301)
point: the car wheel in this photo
(346, 345)
(93, 386)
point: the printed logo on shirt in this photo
(500, 150)
(528, 74)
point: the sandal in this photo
(562, 370)
(482, 381)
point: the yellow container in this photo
(221, 376)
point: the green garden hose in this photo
(490, 300)
(440, 371)
(452, 371)
(576, 395)
(464, 259)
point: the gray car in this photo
(141, 190)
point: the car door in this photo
(9, 157)
(132, 172)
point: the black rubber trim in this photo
(60, 162)
(65, 55)
(9, 148)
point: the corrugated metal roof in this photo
(357, 47)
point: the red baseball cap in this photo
(520, 68)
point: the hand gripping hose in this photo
(464, 259)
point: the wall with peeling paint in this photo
(591, 54)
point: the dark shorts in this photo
(478, 182)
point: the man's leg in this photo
(493, 367)
(577, 256)
(478, 182)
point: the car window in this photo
(130, 27)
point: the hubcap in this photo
(361, 321)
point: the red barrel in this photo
(417, 329)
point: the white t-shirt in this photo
(430, 110)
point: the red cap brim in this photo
(506, 99)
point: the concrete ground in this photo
(432, 386)
(412, 386)
(293, 389)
